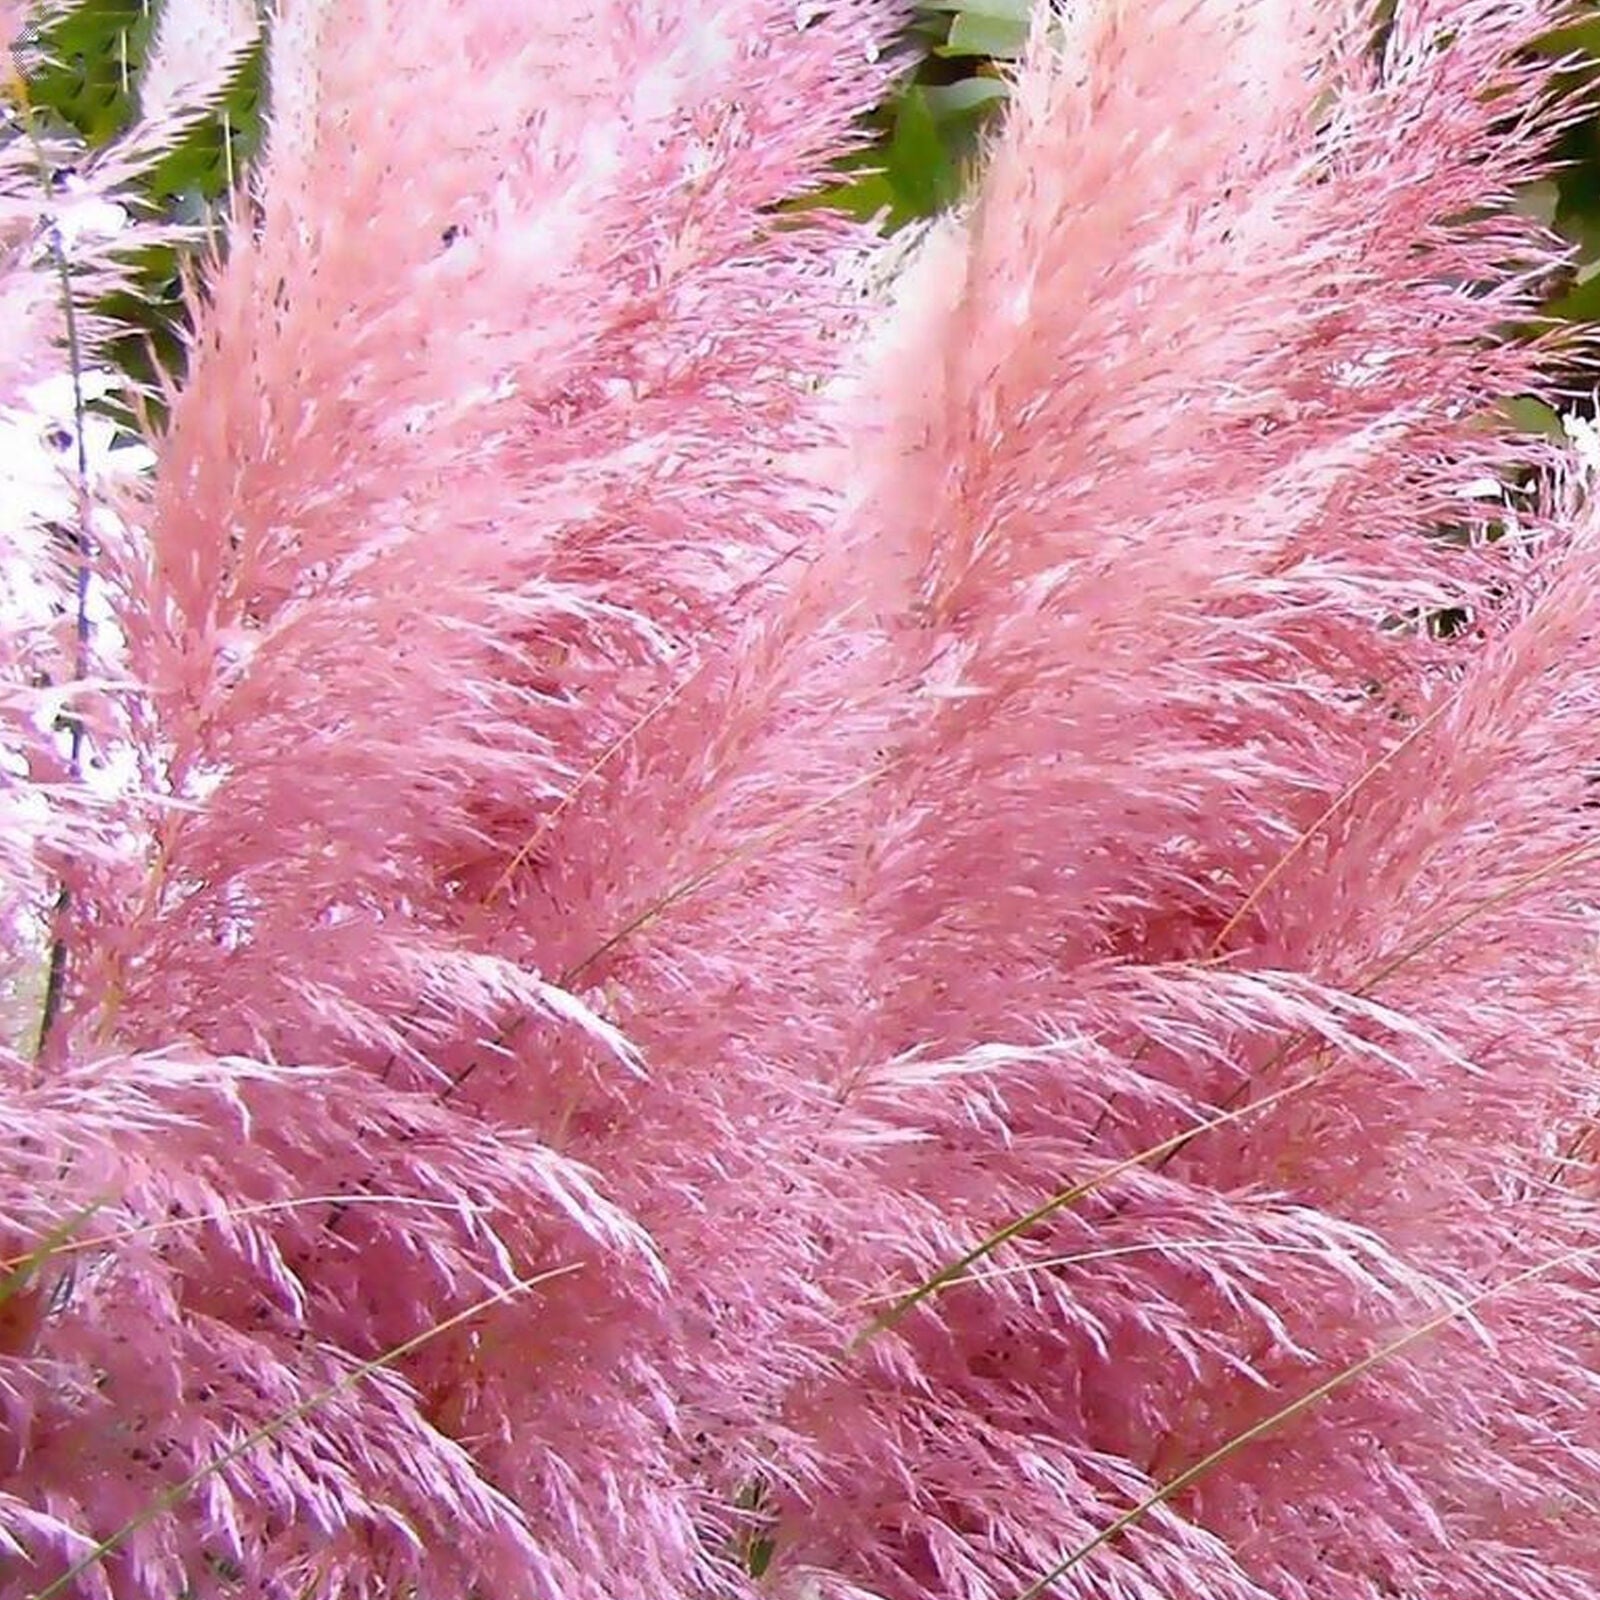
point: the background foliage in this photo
(82, 64)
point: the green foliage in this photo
(82, 64)
(925, 137)
(1570, 201)
(994, 29)
(188, 184)
(757, 1543)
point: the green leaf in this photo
(199, 167)
(757, 1545)
(82, 63)
(1581, 38)
(1000, 10)
(863, 197)
(82, 70)
(1528, 415)
(1582, 304)
(973, 33)
(917, 164)
(950, 102)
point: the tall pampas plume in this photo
(787, 915)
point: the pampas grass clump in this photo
(707, 920)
